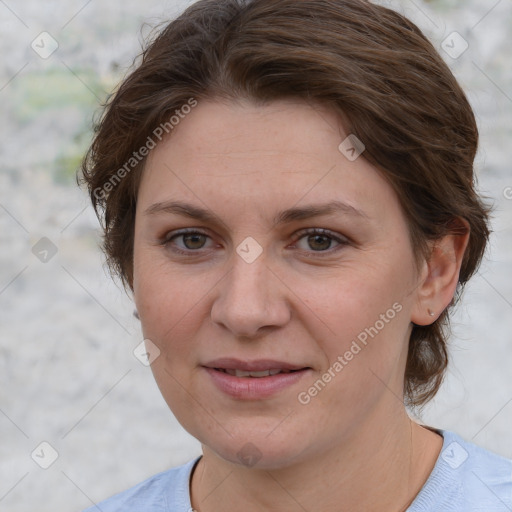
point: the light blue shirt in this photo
(466, 478)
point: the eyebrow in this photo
(282, 217)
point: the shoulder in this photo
(164, 492)
(466, 478)
(485, 476)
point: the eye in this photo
(191, 241)
(319, 240)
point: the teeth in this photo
(242, 373)
(263, 373)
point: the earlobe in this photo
(440, 275)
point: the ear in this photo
(440, 274)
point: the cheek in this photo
(365, 311)
(356, 296)
(155, 293)
(171, 304)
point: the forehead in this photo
(248, 155)
(241, 133)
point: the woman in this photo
(287, 190)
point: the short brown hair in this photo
(368, 63)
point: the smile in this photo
(244, 373)
(253, 380)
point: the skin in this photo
(303, 300)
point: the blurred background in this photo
(68, 375)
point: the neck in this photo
(372, 470)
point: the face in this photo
(282, 255)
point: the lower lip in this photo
(254, 388)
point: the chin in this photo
(257, 451)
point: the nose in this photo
(251, 299)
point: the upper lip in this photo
(228, 363)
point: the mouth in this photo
(256, 374)
(257, 368)
(254, 380)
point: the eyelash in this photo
(298, 236)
